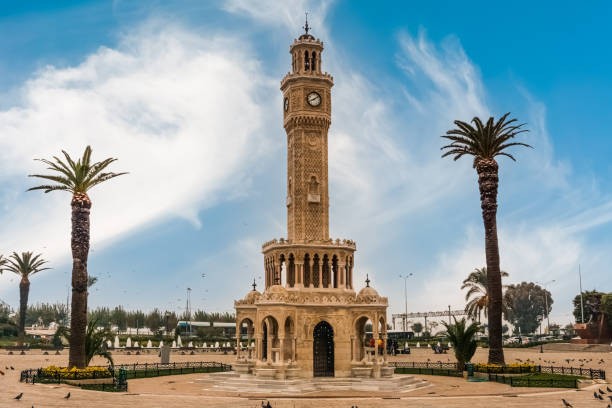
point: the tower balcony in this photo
(316, 265)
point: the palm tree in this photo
(484, 142)
(24, 265)
(476, 283)
(462, 339)
(77, 178)
(95, 341)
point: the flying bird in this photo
(19, 396)
(67, 396)
(567, 404)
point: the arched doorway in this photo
(323, 350)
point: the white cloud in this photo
(181, 111)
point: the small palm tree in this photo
(476, 283)
(485, 142)
(24, 265)
(95, 341)
(462, 339)
(77, 178)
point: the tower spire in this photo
(306, 27)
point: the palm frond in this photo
(75, 176)
(25, 264)
(483, 140)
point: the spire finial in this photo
(306, 27)
(254, 284)
(367, 280)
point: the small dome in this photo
(368, 291)
(252, 296)
(306, 36)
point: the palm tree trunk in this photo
(488, 180)
(24, 292)
(80, 249)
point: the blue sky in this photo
(186, 96)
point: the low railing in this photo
(591, 373)
(145, 370)
(527, 381)
(576, 371)
(427, 364)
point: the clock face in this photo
(286, 104)
(314, 99)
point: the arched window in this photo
(306, 61)
(313, 65)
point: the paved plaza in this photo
(191, 391)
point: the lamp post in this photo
(546, 303)
(167, 315)
(405, 278)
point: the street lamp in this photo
(405, 278)
(546, 303)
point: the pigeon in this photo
(12, 368)
(67, 396)
(1, 372)
(19, 396)
(600, 391)
(599, 397)
(567, 404)
(595, 395)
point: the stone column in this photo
(258, 347)
(269, 345)
(352, 348)
(342, 275)
(282, 349)
(249, 340)
(238, 346)
(384, 347)
(294, 341)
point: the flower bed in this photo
(63, 373)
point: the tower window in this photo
(314, 61)
(306, 61)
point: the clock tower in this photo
(309, 321)
(307, 116)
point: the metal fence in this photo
(577, 371)
(427, 364)
(526, 381)
(157, 369)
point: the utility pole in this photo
(581, 298)
(546, 303)
(405, 278)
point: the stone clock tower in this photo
(309, 321)
(307, 116)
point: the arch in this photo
(289, 339)
(278, 273)
(270, 340)
(362, 339)
(316, 268)
(306, 61)
(291, 271)
(307, 279)
(335, 272)
(323, 350)
(313, 64)
(325, 271)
